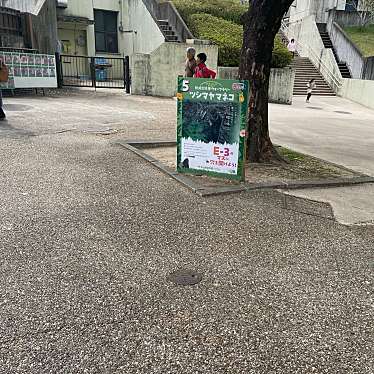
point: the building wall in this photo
(44, 28)
(28, 6)
(304, 8)
(141, 35)
(148, 35)
(156, 74)
(280, 85)
(39, 24)
(69, 36)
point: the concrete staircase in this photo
(167, 30)
(344, 70)
(305, 71)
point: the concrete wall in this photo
(143, 34)
(148, 36)
(346, 50)
(344, 18)
(360, 91)
(361, 67)
(156, 74)
(369, 68)
(310, 45)
(280, 85)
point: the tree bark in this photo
(261, 24)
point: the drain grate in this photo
(185, 277)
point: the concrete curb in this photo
(185, 180)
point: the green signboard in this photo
(211, 128)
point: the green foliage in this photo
(281, 56)
(229, 37)
(230, 10)
(363, 37)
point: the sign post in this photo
(211, 127)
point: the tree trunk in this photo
(261, 24)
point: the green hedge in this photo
(281, 56)
(229, 36)
(230, 10)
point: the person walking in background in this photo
(292, 47)
(201, 70)
(311, 86)
(190, 63)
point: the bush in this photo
(229, 37)
(281, 56)
(230, 10)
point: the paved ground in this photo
(89, 233)
(336, 130)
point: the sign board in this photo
(211, 127)
(27, 70)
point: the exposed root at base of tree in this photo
(269, 154)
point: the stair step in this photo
(172, 39)
(305, 71)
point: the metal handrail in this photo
(337, 81)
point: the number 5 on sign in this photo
(185, 85)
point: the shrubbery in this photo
(230, 10)
(229, 36)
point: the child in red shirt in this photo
(201, 70)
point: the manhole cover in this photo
(315, 107)
(342, 112)
(16, 107)
(185, 277)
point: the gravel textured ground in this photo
(89, 233)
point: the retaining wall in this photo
(280, 85)
(155, 74)
(358, 90)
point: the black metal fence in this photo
(96, 72)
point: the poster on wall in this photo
(28, 70)
(211, 127)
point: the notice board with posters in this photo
(27, 70)
(211, 127)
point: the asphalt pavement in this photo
(90, 233)
(336, 130)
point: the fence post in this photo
(60, 78)
(127, 73)
(93, 71)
